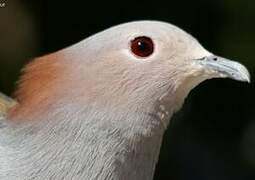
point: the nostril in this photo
(215, 58)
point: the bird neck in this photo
(90, 144)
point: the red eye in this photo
(142, 46)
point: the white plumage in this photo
(97, 111)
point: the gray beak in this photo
(221, 67)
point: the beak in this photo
(220, 67)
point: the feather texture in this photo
(94, 110)
(5, 104)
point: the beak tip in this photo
(244, 74)
(248, 80)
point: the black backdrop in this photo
(213, 136)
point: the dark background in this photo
(213, 136)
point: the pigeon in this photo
(98, 110)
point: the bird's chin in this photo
(182, 88)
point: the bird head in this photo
(131, 65)
(149, 61)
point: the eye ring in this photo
(142, 46)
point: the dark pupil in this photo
(142, 46)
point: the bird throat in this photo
(88, 144)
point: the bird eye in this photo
(142, 46)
